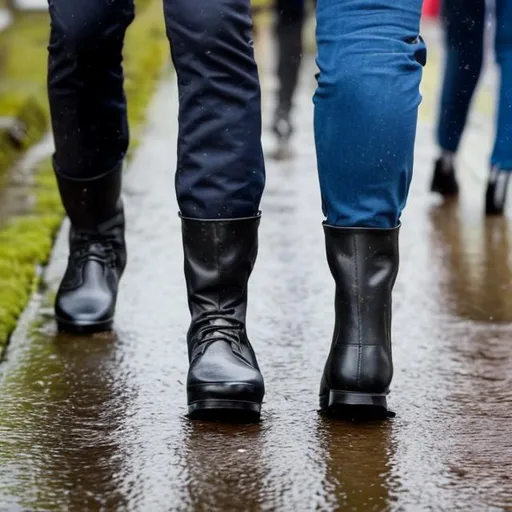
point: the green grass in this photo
(26, 242)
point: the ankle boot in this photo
(86, 298)
(358, 372)
(496, 194)
(224, 377)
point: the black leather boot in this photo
(444, 181)
(224, 379)
(496, 194)
(358, 372)
(86, 298)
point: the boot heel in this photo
(354, 405)
(444, 182)
(496, 194)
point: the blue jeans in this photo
(220, 170)
(465, 26)
(370, 57)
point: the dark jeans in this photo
(465, 26)
(220, 169)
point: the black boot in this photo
(496, 195)
(224, 378)
(358, 372)
(444, 181)
(86, 298)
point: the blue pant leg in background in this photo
(370, 58)
(464, 25)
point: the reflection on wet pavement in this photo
(99, 424)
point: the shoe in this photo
(283, 131)
(359, 369)
(224, 380)
(86, 298)
(497, 188)
(282, 126)
(443, 180)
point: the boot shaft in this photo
(364, 264)
(92, 202)
(219, 258)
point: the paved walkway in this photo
(100, 424)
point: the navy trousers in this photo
(220, 169)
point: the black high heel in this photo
(443, 180)
(497, 188)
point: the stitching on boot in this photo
(358, 381)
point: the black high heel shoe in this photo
(497, 188)
(283, 131)
(443, 180)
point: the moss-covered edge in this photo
(32, 117)
(26, 242)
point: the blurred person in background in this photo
(289, 24)
(465, 26)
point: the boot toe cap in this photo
(221, 374)
(84, 308)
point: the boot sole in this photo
(84, 328)
(352, 405)
(225, 410)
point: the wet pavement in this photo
(99, 424)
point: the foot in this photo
(224, 378)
